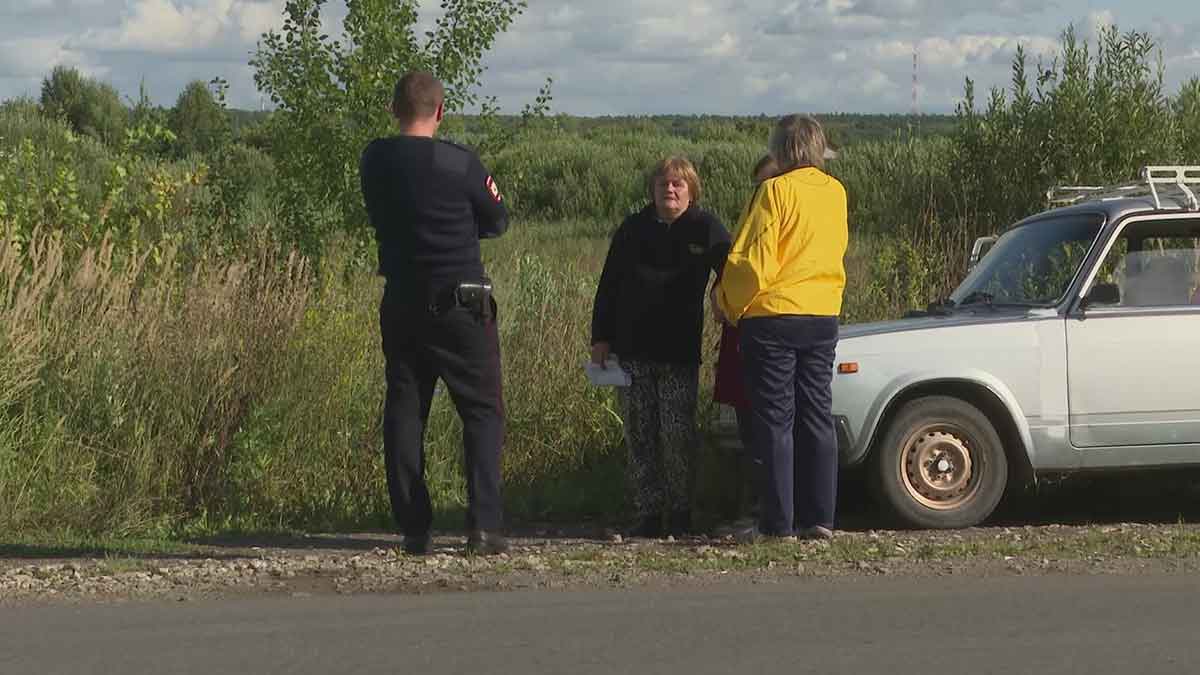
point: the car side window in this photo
(1152, 264)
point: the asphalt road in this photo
(1044, 625)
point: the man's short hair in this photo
(417, 96)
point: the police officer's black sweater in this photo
(430, 202)
(650, 301)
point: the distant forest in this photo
(843, 128)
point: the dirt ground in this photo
(1124, 526)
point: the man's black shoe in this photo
(649, 527)
(486, 543)
(419, 544)
(679, 523)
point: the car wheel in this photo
(940, 464)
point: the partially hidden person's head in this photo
(798, 141)
(765, 168)
(674, 186)
(418, 101)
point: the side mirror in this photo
(979, 249)
(1103, 294)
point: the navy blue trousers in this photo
(464, 352)
(788, 366)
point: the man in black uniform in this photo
(430, 202)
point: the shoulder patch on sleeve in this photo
(494, 189)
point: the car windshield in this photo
(1032, 264)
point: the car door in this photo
(1133, 347)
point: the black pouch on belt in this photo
(475, 296)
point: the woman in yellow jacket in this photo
(782, 287)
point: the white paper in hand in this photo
(612, 375)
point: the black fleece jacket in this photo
(650, 301)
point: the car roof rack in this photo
(1158, 182)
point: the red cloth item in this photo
(730, 386)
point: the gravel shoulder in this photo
(547, 559)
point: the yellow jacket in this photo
(787, 254)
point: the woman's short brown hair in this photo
(678, 167)
(798, 141)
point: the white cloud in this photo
(1098, 21)
(960, 51)
(161, 26)
(177, 26)
(938, 9)
(750, 56)
(255, 18)
(761, 85)
(26, 58)
(562, 17)
(23, 6)
(725, 47)
(876, 83)
(621, 56)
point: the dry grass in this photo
(125, 380)
(142, 396)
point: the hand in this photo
(600, 354)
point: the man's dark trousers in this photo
(420, 345)
(788, 366)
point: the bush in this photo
(1088, 119)
(91, 108)
(199, 122)
(1187, 108)
(241, 173)
(54, 178)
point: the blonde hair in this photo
(678, 167)
(798, 141)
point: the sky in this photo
(621, 57)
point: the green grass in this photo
(121, 418)
(118, 417)
(66, 545)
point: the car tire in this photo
(939, 465)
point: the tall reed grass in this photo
(156, 378)
(126, 381)
(143, 396)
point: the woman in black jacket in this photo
(649, 313)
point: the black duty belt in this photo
(474, 295)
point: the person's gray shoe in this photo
(752, 535)
(732, 529)
(816, 532)
(480, 542)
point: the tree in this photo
(149, 133)
(199, 121)
(91, 108)
(331, 95)
(1187, 109)
(1088, 118)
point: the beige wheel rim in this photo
(937, 468)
